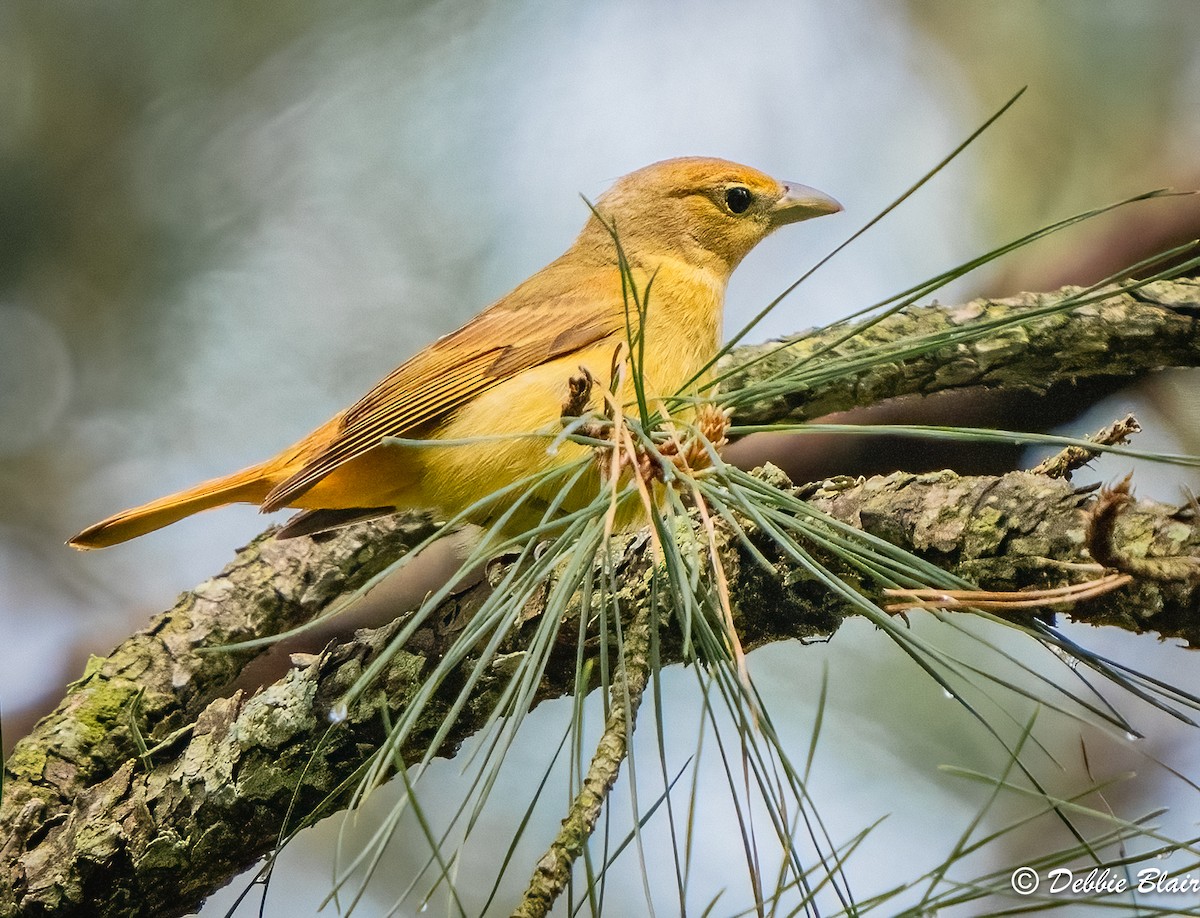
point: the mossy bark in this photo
(90, 827)
(1125, 336)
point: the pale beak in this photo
(799, 202)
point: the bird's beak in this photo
(799, 202)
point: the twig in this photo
(553, 869)
(1075, 457)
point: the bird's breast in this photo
(684, 308)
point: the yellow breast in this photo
(683, 324)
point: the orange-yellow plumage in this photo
(685, 222)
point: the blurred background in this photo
(220, 223)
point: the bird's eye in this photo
(737, 199)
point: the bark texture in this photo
(1123, 335)
(89, 826)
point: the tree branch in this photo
(90, 828)
(1124, 337)
(553, 869)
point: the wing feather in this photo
(452, 371)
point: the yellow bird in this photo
(685, 222)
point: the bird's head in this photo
(708, 212)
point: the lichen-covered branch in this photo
(1126, 336)
(154, 841)
(270, 586)
(87, 827)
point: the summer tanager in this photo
(686, 223)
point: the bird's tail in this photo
(250, 485)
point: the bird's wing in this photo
(495, 346)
